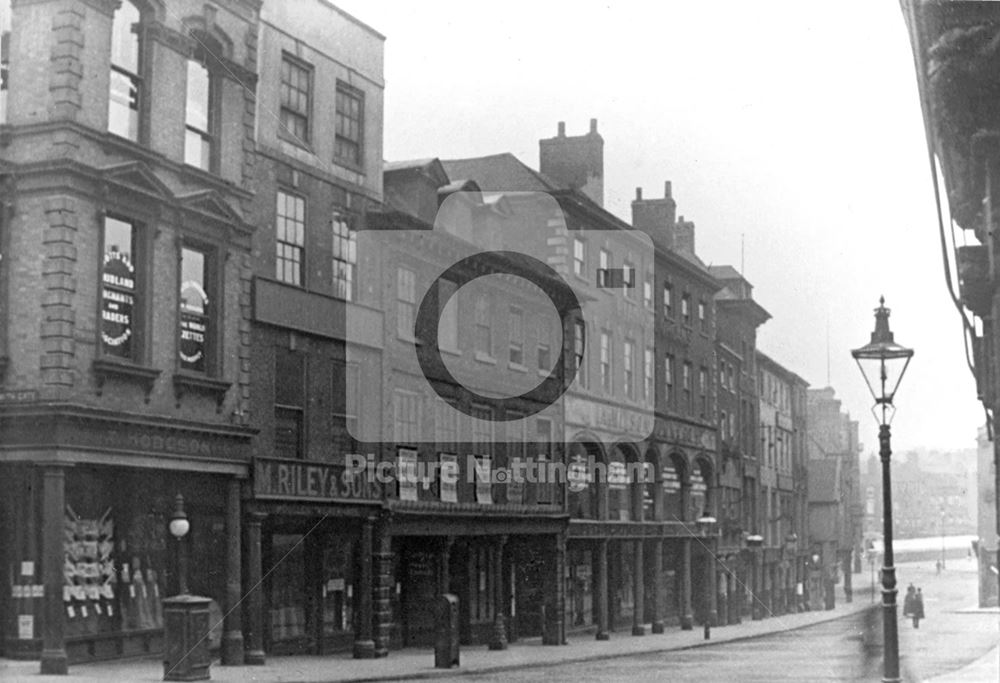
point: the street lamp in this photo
(179, 526)
(883, 363)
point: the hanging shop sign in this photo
(406, 467)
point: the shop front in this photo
(310, 549)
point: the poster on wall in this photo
(117, 304)
(194, 326)
(484, 478)
(449, 477)
(406, 472)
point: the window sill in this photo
(285, 136)
(517, 367)
(450, 351)
(189, 382)
(349, 165)
(130, 372)
(485, 358)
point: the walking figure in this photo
(938, 565)
(909, 604)
(918, 608)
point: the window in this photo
(484, 329)
(295, 94)
(198, 116)
(668, 300)
(686, 309)
(604, 265)
(515, 328)
(195, 323)
(406, 302)
(346, 390)
(291, 237)
(606, 361)
(668, 377)
(289, 404)
(579, 257)
(544, 345)
(126, 86)
(723, 425)
(579, 351)
(702, 319)
(121, 305)
(448, 321)
(647, 373)
(628, 360)
(350, 115)
(345, 255)
(686, 385)
(446, 424)
(482, 430)
(647, 291)
(406, 413)
(703, 390)
(5, 33)
(722, 375)
(628, 272)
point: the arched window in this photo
(581, 482)
(649, 486)
(619, 487)
(673, 501)
(126, 86)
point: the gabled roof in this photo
(500, 173)
(725, 273)
(431, 167)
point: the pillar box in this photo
(185, 628)
(446, 651)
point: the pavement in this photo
(414, 664)
(956, 643)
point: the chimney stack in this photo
(655, 217)
(575, 162)
(684, 236)
(667, 190)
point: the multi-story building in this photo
(739, 316)
(953, 49)
(126, 162)
(782, 480)
(474, 523)
(835, 510)
(688, 421)
(313, 527)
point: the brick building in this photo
(126, 165)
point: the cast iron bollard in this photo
(446, 632)
(185, 629)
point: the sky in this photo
(791, 131)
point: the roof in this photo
(500, 173)
(724, 272)
(787, 374)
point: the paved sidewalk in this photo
(986, 669)
(412, 664)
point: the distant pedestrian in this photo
(918, 608)
(938, 566)
(909, 603)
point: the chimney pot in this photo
(681, 219)
(638, 194)
(667, 190)
(562, 129)
(593, 125)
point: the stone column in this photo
(384, 584)
(232, 624)
(254, 635)
(657, 587)
(554, 628)
(444, 557)
(602, 589)
(687, 614)
(498, 639)
(638, 588)
(53, 513)
(712, 582)
(364, 641)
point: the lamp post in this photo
(179, 526)
(883, 362)
(707, 524)
(754, 542)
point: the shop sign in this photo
(25, 626)
(484, 479)
(117, 303)
(292, 479)
(611, 418)
(194, 324)
(686, 435)
(406, 467)
(449, 478)
(617, 476)
(18, 396)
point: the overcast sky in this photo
(796, 124)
